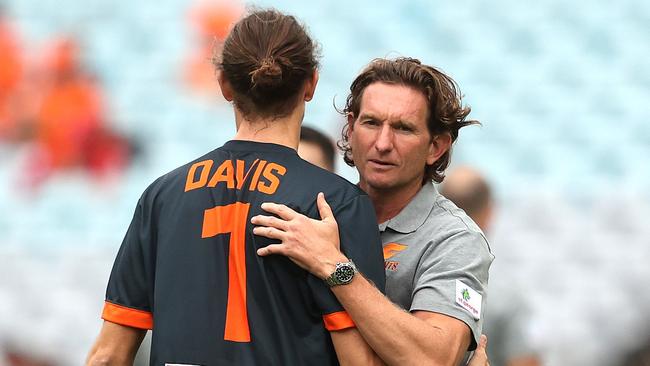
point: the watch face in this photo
(345, 273)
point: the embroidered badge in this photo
(391, 249)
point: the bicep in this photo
(116, 344)
(457, 333)
(451, 279)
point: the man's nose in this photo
(384, 140)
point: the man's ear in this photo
(350, 118)
(439, 145)
(224, 85)
(310, 86)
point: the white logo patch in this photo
(468, 299)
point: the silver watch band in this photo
(343, 274)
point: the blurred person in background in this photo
(317, 148)
(188, 268)
(11, 73)
(640, 356)
(402, 119)
(467, 188)
(506, 316)
(211, 22)
(72, 107)
(69, 124)
(20, 358)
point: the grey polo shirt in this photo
(437, 259)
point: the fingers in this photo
(480, 358)
(269, 232)
(270, 221)
(271, 249)
(323, 207)
(283, 211)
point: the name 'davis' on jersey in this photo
(265, 179)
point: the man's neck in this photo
(388, 203)
(282, 131)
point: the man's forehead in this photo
(386, 100)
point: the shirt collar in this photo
(246, 145)
(415, 213)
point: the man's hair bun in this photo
(267, 75)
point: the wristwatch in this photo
(342, 275)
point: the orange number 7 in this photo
(232, 219)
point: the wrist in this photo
(329, 266)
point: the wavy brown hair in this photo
(446, 111)
(267, 57)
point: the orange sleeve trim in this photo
(127, 316)
(338, 321)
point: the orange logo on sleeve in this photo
(391, 249)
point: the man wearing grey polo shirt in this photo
(402, 118)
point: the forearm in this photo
(351, 349)
(100, 358)
(104, 356)
(115, 346)
(397, 336)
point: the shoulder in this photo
(172, 182)
(339, 192)
(450, 226)
(449, 216)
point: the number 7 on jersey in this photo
(232, 219)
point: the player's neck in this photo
(282, 131)
(388, 203)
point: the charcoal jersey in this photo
(188, 267)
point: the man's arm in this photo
(397, 336)
(352, 349)
(116, 345)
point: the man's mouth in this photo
(381, 163)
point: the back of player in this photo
(188, 267)
(214, 300)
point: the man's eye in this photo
(370, 122)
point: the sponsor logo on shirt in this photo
(469, 299)
(390, 250)
(390, 266)
(466, 294)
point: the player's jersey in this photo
(188, 267)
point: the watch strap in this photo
(334, 280)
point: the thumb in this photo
(480, 358)
(323, 207)
(482, 343)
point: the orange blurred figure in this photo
(214, 19)
(71, 108)
(212, 22)
(11, 71)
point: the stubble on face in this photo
(390, 140)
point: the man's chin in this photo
(380, 184)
